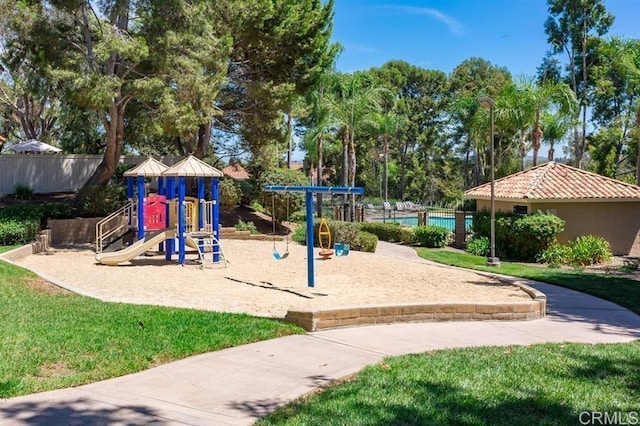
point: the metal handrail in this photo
(116, 222)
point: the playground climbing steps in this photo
(206, 243)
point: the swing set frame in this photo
(309, 191)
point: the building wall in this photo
(616, 222)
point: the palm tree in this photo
(550, 96)
(524, 103)
(348, 100)
(385, 127)
(555, 129)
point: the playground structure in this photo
(309, 191)
(168, 218)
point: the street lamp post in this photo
(492, 260)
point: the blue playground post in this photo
(215, 217)
(141, 195)
(182, 220)
(309, 191)
(171, 194)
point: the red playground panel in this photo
(155, 212)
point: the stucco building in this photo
(589, 203)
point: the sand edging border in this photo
(349, 316)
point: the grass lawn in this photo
(521, 385)
(53, 339)
(541, 384)
(623, 291)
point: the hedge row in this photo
(365, 236)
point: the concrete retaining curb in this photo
(349, 316)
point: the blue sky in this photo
(440, 34)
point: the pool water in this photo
(447, 222)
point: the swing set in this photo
(277, 254)
(340, 249)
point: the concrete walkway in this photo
(238, 385)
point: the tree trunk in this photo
(319, 175)
(523, 150)
(204, 137)
(345, 158)
(289, 140)
(536, 137)
(115, 138)
(352, 174)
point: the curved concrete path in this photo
(238, 385)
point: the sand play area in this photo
(255, 283)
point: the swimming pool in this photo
(445, 221)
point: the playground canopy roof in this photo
(191, 166)
(149, 168)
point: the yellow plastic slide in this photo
(137, 248)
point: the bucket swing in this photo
(341, 249)
(324, 233)
(277, 254)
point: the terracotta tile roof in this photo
(556, 181)
(236, 171)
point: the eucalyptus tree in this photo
(189, 46)
(280, 51)
(570, 27)
(616, 104)
(29, 103)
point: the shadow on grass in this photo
(430, 403)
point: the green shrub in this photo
(519, 237)
(258, 207)
(18, 232)
(366, 242)
(384, 231)
(118, 178)
(300, 235)
(555, 255)
(23, 192)
(246, 226)
(480, 246)
(341, 232)
(585, 250)
(431, 236)
(589, 250)
(534, 233)
(96, 201)
(298, 216)
(39, 213)
(407, 235)
(247, 191)
(229, 193)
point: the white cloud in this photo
(454, 26)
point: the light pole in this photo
(492, 260)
